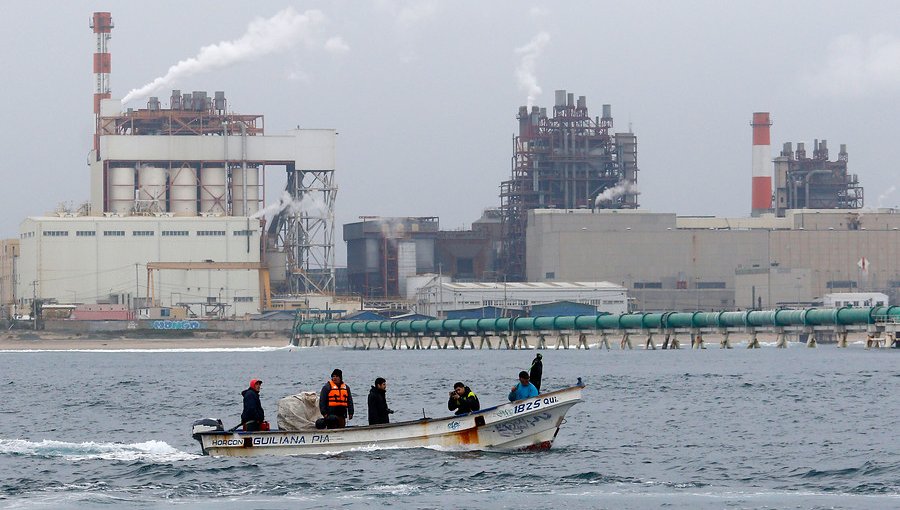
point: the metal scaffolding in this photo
(567, 161)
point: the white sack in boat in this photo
(298, 412)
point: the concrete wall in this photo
(667, 267)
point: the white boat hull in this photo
(524, 424)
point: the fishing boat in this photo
(527, 424)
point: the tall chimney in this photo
(761, 201)
(102, 24)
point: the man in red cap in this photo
(253, 415)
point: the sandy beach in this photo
(60, 342)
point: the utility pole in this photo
(34, 309)
(136, 288)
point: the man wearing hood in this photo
(378, 408)
(253, 414)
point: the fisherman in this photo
(524, 389)
(537, 370)
(336, 400)
(462, 399)
(253, 415)
(378, 408)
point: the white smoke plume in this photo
(308, 205)
(856, 66)
(525, 71)
(882, 197)
(264, 36)
(609, 194)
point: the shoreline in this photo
(61, 342)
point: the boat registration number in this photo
(534, 404)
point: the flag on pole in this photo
(863, 265)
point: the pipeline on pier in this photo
(839, 320)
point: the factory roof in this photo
(587, 286)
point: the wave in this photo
(148, 451)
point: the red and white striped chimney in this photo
(762, 165)
(102, 24)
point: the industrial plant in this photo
(177, 226)
(174, 218)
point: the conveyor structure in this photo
(875, 320)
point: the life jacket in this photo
(338, 396)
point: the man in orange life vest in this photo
(336, 400)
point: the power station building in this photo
(175, 209)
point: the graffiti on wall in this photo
(177, 325)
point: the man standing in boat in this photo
(524, 389)
(336, 400)
(537, 371)
(378, 408)
(253, 415)
(463, 399)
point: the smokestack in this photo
(102, 24)
(761, 201)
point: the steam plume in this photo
(610, 194)
(263, 36)
(525, 71)
(309, 205)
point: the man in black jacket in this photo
(537, 370)
(463, 399)
(378, 408)
(253, 414)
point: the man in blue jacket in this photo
(524, 389)
(253, 415)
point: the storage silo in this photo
(237, 191)
(212, 190)
(121, 190)
(151, 189)
(183, 191)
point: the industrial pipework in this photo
(837, 319)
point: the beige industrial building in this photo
(9, 253)
(684, 263)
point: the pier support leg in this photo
(665, 344)
(675, 344)
(811, 340)
(754, 341)
(650, 344)
(725, 343)
(842, 339)
(697, 341)
(582, 341)
(562, 341)
(604, 341)
(542, 341)
(504, 340)
(522, 342)
(781, 340)
(894, 341)
(626, 342)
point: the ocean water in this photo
(767, 428)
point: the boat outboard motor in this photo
(205, 425)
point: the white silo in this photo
(151, 189)
(121, 190)
(183, 191)
(212, 190)
(237, 191)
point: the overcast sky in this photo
(424, 94)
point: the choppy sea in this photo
(768, 428)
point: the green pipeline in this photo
(847, 316)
